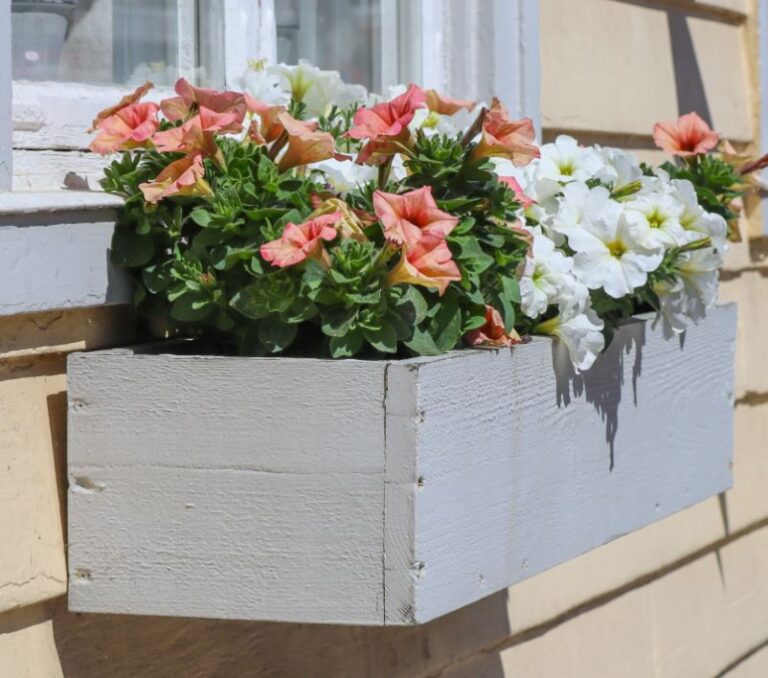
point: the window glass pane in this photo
(116, 41)
(339, 35)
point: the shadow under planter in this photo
(378, 492)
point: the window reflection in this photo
(340, 35)
(114, 41)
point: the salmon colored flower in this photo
(197, 135)
(349, 225)
(302, 241)
(493, 334)
(127, 100)
(131, 127)
(505, 138)
(305, 146)
(182, 177)
(191, 99)
(443, 105)
(689, 136)
(409, 216)
(385, 125)
(427, 262)
(514, 184)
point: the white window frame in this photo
(54, 116)
(456, 52)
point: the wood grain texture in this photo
(379, 492)
(525, 466)
(227, 487)
(60, 263)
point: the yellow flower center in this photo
(257, 64)
(567, 169)
(656, 219)
(617, 248)
(431, 121)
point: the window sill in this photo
(36, 202)
(54, 251)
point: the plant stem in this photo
(474, 128)
(384, 170)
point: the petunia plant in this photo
(305, 216)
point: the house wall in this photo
(687, 596)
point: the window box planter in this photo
(389, 492)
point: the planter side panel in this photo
(525, 464)
(222, 487)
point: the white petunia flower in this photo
(318, 90)
(547, 278)
(657, 217)
(699, 276)
(620, 168)
(581, 331)
(610, 254)
(264, 86)
(579, 203)
(692, 294)
(696, 221)
(565, 161)
(344, 176)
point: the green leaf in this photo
(300, 311)
(346, 345)
(157, 277)
(383, 339)
(129, 249)
(273, 293)
(201, 217)
(447, 323)
(275, 334)
(191, 307)
(225, 257)
(422, 343)
(338, 322)
(511, 289)
(418, 305)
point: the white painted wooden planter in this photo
(384, 492)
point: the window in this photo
(71, 58)
(122, 42)
(341, 35)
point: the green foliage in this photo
(198, 269)
(716, 182)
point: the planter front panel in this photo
(379, 492)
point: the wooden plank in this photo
(231, 544)
(57, 260)
(458, 475)
(6, 166)
(287, 415)
(239, 456)
(526, 465)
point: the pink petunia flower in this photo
(689, 136)
(191, 99)
(302, 241)
(493, 333)
(182, 177)
(443, 105)
(305, 145)
(408, 216)
(505, 138)
(385, 125)
(198, 134)
(130, 127)
(127, 100)
(514, 184)
(427, 262)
